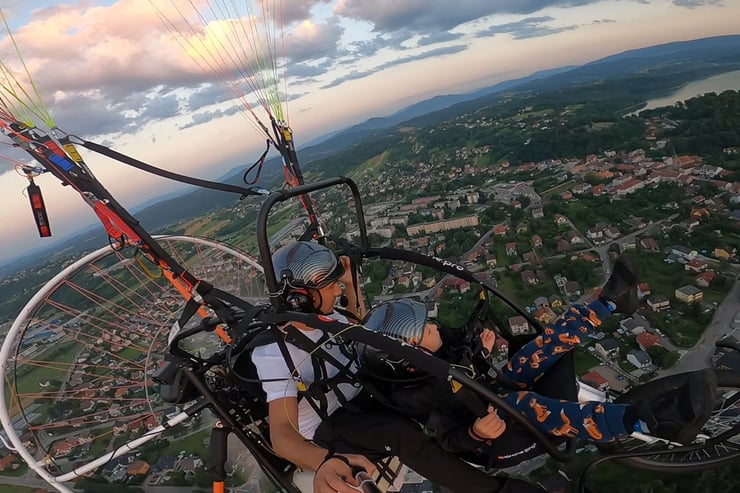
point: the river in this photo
(716, 83)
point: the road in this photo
(719, 327)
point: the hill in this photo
(649, 72)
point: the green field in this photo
(584, 361)
(8, 488)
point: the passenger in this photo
(354, 430)
(462, 422)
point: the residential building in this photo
(634, 324)
(595, 380)
(138, 468)
(639, 358)
(543, 315)
(629, 244)
(684, 253)
(643, 290)
(725, 252)
(501, 229)
(658, 303)
(437, 226)
(555, 301)
(541, 301)
(649, 244)
(519, 325)
(529, 277)
(647, 340)
(704, 280)
(689, 294)
(607, 348)
(696, 265)
(572, 288)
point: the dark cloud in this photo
(102, 114)
(604, 21)
(356, 74)
(305, 72)
(208, 116)
(435, 15)
(369, 47)
(313, 42)
(206, 95)
(531, 27)
(441, 37)
(299, 9)
(98, 116)
(353, 75)
(159, 107)
(690, 4)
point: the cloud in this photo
(114, 60)
(428, 16)
(368, 47)
(604, 21)
(206, 95)
(304, 72)
(357, 74)
(530, 27)
(208, 116)
(441, 37)
(160, 107)
(311, 41)
(691, 4)
(299, 10)
(118, 65)
(90, 114)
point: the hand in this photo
(489, 426)
(488, 338)
(346, 278)
(335, 476)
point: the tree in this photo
(662, 357)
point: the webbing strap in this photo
(319, 358)
(223, 187)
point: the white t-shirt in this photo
(271, 365)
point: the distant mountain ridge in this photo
(721, 50)
(434, 103)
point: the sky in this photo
(115, 72)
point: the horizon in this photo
(420, 56)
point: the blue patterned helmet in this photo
(402, 319)
(304, 264)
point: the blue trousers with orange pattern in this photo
(595, 421)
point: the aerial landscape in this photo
(533, 183)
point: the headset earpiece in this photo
(299, 300)
(296, 299)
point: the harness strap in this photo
(303, 389)
(319, 357)
(224, 187)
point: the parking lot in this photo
(612, 377)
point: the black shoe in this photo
(621, 287)
(679, 413)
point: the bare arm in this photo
(286, 440)
(331, 476)
(352, 289)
